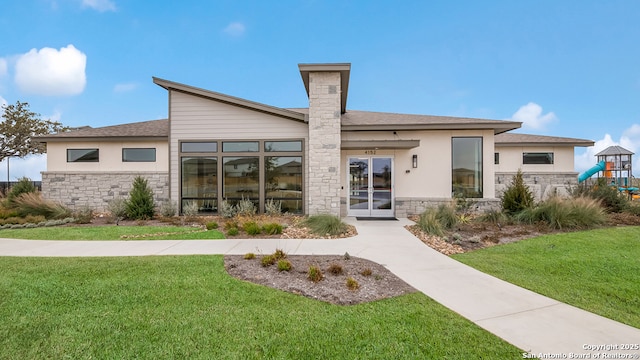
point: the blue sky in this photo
(565, 68)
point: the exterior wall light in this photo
(415, 161)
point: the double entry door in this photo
(370, 186)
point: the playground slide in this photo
(589, 173)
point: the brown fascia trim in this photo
(231, 100)
(391, 127)
(46, 139)
(343, 68)
(574, 144)
(379, 144)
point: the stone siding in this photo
(95, 190)
(324, 143)
(542, 185)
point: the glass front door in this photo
(370, 186)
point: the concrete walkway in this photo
(536, 324)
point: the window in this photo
(199, 147)
(496, 158)
(283, 182)
(537, 158)
(466, 155)
(241, 179)
(199, 182)
(138, 155)
(240, 146)
(284, 146)
(83, 155)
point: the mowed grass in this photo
(597, 270)
(112, 233)
(188, 307)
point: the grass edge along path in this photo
(189, 307)
(596, 270)
(113, 233)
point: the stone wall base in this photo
(77, 190)
(542, 185)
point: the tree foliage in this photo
(140, 205)
(518, 196)
(18, 127)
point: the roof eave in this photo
(395, 127)
(227, 99)
(47, 139)
(574, 144)
(343, 68)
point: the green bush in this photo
(314, 274)
(494, 217)
(268, 260)
(212, 225)
(279, 254)
(609, 196)
(284, 265)
(117, 208)
(446, 215)
(352, 284)
(428, 222)
(251, 228)
(572, 213)
(84, 215)
(24, 186)
(249, 256)
(272, 228)
(140, 205)
(233, 231)
(325, 224)
(517, 196)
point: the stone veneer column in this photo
(324, 143)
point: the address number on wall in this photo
(369, 152)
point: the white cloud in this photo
(56, 116)
(531, 116)
(3, 67)
(629, 140)
(124, 87)
(235, 29)
(51, 72)
(100, 5)
(29, 166)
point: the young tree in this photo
(517, 196)
(19, 125)
(140, 205)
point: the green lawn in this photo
(112, 232)
(597, 270)
(188, 307)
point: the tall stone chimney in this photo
(327, 86)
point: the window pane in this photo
(496, 158)
(199, 182)
(241, 177)
(283, 181)
(282, 146)
(240, 146)
(208, 146)
(537, 158)
(466, 156)
(83, 155)
(138, 155)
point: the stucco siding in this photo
(511, 159)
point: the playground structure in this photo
(615, 165)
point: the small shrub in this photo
(168, 208)
(352, 284)
(140, 205)
(117, 208)
(335, 269)
(245, 207)
(33, 204)
(251, 228)
(325, 225)
(227, 210)
(84, 215)
(279, 254)
(249, 256)
(190, 209)
(446, 215)
(268, 260)
(230, 224)
(284, 265)
(211, 225)
(346, 256)
(517, 196)
(366, 272)
(272, 228)
(429, 223)
(233, 231)
(273, 207)
(612, 199)
(494, 217)
(314, 274)
(23, 186)
(558, 213)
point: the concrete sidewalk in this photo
(536, 324)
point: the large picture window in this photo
(466, 154)
(259, 170)
(83, 155)
(545, 158)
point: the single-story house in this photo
(320, 159)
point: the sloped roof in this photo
(515, 139)
(356, 120)
(153, 129)
(614, 150)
